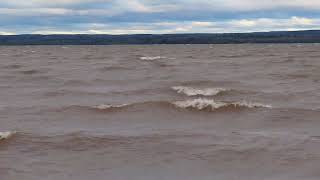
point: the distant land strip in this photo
(308, 36)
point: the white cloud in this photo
(143, 7)
(32, 12)
(250, 5)
(6, 33)
(244, 23)
(48, 3)
(57, 32)
(36, 12)
(202, 23)
(302, 21)
(231, 26)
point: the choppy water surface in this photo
(181, 112)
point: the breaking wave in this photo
(198, 104)
(152, 58)
(6, 135)
(190, 91)
(210, 104)
(108, 106)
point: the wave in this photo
(13, 66)
(108, 106)
(99, 108)
(112, 68)
(190, 91)
(29, 51)
(198, 104)
(6, 135)
(152, 58)
(210, 104)
(235, 142)
(30, 72)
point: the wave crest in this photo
(152, 58)
(198, 104)
(6, 135)
(210, 104)
(190, 91)
(108, 106)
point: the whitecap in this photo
(6, 135)
(27, 51)
(152, 58)
(190, 91)
(108, 106)
(210, 104)
(199, 104)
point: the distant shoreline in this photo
(307, 36)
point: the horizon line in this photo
(191, 33)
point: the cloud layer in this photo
(156, 16)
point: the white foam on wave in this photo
(152, 58)
(190, 91)
(108, 106)
(6, 135)
(27, 51)
(202, 104)
(199, 104)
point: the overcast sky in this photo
(156, 16)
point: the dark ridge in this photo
(310, 36)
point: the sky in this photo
(156, 16)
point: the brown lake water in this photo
(160, 112)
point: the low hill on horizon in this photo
(307, 36)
